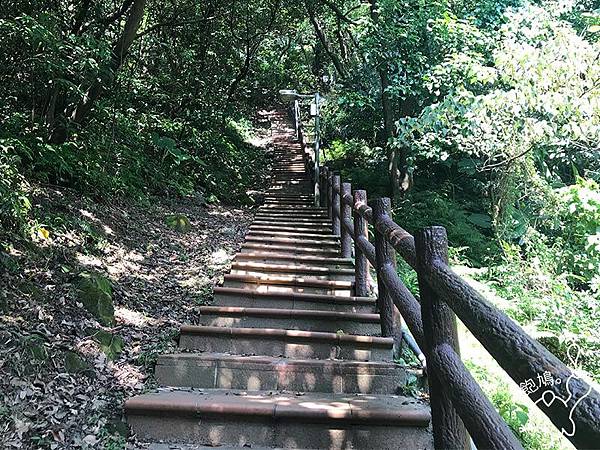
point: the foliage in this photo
(540, 107)
(528, 429)
(158, 115)
(577, 238)
(95, 293)
(469, 231)
(14, 203)
(179, 222)
(111, 344)
(535, 285)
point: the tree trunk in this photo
(388, 120)
(242, 72)
(120, 48)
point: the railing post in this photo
(361, 263)
(439, 327)
(330, 194)
(324, 187)
(385, 255)
(317, 149)
(336, 207)
(346, 213)
(316, 176)
(297, 118)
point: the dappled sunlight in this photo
(220, 257)
(89, 261)
(133, 318)
(129, 375)
(195, 282)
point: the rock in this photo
(179, 222)
(95, 293)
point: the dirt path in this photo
(159, 278)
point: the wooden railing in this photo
(459, 407)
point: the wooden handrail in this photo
(443, 294)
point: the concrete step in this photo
(289, 201)
(224, 371)
(300, 229)
(292, 186)
(268, 257)
(315, 219)
(325, 236)
(329, 242)
(291, 249)
(290, 319)
(280, 420)
(295, 269)
(288, 196)
(287, 343)
(308, 208)
(278, 221)
(300, 189)
(291, 273)
(283, 179)
(227, 296)
(289, 284)
(178, 446)
(291, 215)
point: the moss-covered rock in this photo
(95, 292)
(179, 222)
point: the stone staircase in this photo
(287, 357)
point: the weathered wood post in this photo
(361, 263)
(330, 194)
(439, 327)
(385, 255)
(346, 213)
(324, 188)
(336, 206)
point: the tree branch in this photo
(323, 38)
(171, 24)
(338, 12)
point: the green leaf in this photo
(179, 222)
(522, 417)
(111, 344)
(95, 292)
(480, 220)
(75, 363)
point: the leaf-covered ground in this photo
(64, 375)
